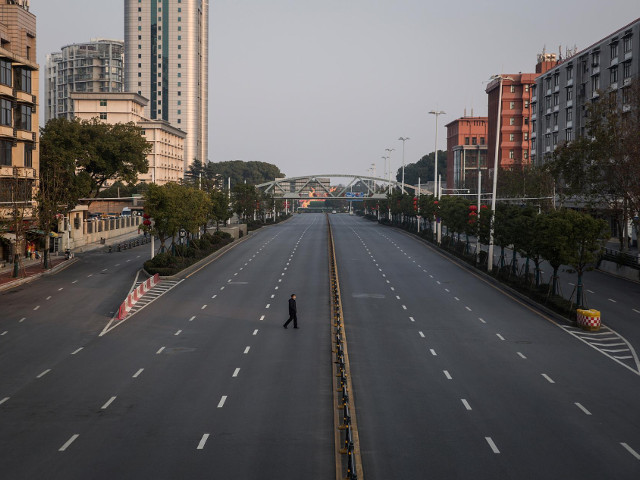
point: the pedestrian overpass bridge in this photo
(354, 187)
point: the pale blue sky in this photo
(324, 86)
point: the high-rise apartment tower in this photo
(167, 61)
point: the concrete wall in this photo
(620, 270)
(77, 235)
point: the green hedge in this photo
(167, 264)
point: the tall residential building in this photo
(166, 159)
(19, 154)
(95, 66)
(167, 61)
(561, 95)
(466, 151)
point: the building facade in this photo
(19, 151)
(466, 151)
(515, 119)
(561, 95)
(167, 61)
(95, 66)
(166, 159)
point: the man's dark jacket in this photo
(292, 306)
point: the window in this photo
(568, 134)
(555, 138)
(139, 74)
(556, 79)
(569, 114)
(466, 140)
(28, 156)
(6, 109)
(613, 75)
(595, 83)
(595, 59)
(556, 99)
(512, 89)
(512, 137)
(179, 75)
(179, 19)
(481, 140)
(526, 88)
(569, 72)
(512, 121)
(474, 140)
(614, 50)
(526, 155)
(179, 47)
(526, 135)
(179, 102)
(547, 102)
(5, 72)
(569, 94)
(179, 93)
(526, 104)
(103, 103)
(512, 105)
(179, 121)
(548, 83)
(103, 116)
(139, 28)
(526, 120)
(555, 119)
(625, 96)
(139, 37)
(179, 84)
(6, 147)
(626, 70)
(23, 117)
(547, 140)
(179, 112)
(22, 79)
(533, 126)
(626, 44)
(511, 154)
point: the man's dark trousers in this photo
(293, 314)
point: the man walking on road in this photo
(293, 314)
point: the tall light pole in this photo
(389, 150)
(403, 139)
(495, 172)
(436, 225)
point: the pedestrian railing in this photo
(348, 460)
(621, 258)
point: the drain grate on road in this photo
(609, 343)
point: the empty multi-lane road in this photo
(452, 378)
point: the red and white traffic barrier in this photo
(136, 295)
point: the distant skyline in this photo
(326, 86)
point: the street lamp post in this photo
(389, 150)
(403, 139)
(436, 225)
(495, 173)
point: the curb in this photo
(21, 281)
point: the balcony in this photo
(614, 61)
(627, 55)
(569, 103)
(614, 86)
(570, 82)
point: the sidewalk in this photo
(32, 269)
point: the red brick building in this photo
(466, 151)
(515, 124)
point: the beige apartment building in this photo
(166, 160)
(19, 159)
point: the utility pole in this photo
(403, 139)
(436, 225)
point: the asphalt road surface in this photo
(452, 378)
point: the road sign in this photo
(183, 233)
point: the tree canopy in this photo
(240, 172)
(423, 169)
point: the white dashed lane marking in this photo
(108, 402)
(202, 441)
(222, 400)
(586, 412)
(137, 374)
(547, 377)
(69, 442)
(631, 450)
(160, 350)
(492, 445)
(466, 404)
(447, 374)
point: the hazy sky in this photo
(324, 86)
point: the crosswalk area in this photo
(610, 343)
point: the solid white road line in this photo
(44, 373)
(68, 442)
(222, 400)
(631, 450)
(177, 333)
(160, 350)
(108, 402)
(36, 307)
(203, 440)
(412, 319)
(246, 350)
(492, 444)
(236, 372)
(137, 374)
(4, 400)
(255, 332)
(547, 377)
(192, 318)
(521, 355)
(76, 350)
(586, 412)
(421, 334)
(499, 336)
(433, 352)
(204, 306)
(447, 374)
(466, 404)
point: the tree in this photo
(504, 231)
(220, 211)
(527, 181)
(245, 200)
(423, 169)
(203, 176)
(552, 231)
(239, 171)
(586, 239)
